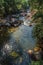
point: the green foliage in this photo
(38, 31)
(11, 6)
(4, 36)
(38, 19)
(24, 5)
(35, 63)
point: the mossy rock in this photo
(14, 54)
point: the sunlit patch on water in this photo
(26, 22)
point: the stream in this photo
(23, 35)
(20, 41)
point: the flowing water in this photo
(23, 35)
(20, 39)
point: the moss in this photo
(14, 54)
